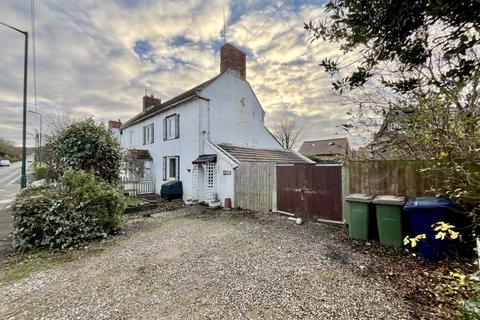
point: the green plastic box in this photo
(359, 216)
(389, 219)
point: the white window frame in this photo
(131, 137)
(167, 170)
(171, 127)
(148, 134)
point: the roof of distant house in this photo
(243, 154)
(338, 146)
(189, 94)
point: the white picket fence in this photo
(136, 187)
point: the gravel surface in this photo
(195, 263)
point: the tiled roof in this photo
(154, 110)
(243, 154)
(337, 146)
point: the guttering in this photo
(230, 159)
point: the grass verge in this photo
(21, 266)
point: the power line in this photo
(265, 23)
(32, 15)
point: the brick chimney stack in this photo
(150, 102)
(112, 124)
(234, 59)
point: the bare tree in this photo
(287, 132)
(59, 120)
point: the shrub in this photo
(88, 146)
(81, 208)
(40, 171)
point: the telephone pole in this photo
(23, 179)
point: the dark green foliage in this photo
(81, 208)
(87, 146)
(412, 35)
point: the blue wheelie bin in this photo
(423, 213)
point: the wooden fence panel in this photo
(255, 186)
(392, 177)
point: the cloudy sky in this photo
(98, 57)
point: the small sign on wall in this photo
(227, 172)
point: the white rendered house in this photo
(200, 136)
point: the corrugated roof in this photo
(183, 96)
(337, 146)
(243, 154)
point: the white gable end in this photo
(235, 115)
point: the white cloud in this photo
(86, 62)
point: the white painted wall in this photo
(186, 146)
(236, 116)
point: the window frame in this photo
(167, 168)
(171, 127)
(148, 134)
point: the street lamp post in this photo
(41, 133)
(23, 180)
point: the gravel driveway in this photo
(197, 264)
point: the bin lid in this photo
(359, 197)
(387, 199)
(428, 203)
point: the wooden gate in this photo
(312, 192)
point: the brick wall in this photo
(234, 59)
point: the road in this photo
(9, 187)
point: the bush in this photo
(81, 208)
(88, 146)
(40, 171)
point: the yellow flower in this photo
(413, 242)
(421, 236)
(406, 241)
(440, 235)
(443, 154)
(442, 226)
(453, 234)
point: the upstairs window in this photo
(148, 134)
(171, 126)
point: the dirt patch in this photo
(197, 263)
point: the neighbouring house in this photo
(202, 135)
(328, 149)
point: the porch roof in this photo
(205, 158)
(243, 154)
(140, 154)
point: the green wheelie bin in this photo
(359, 216)
(389, 219)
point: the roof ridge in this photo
(192, 92)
